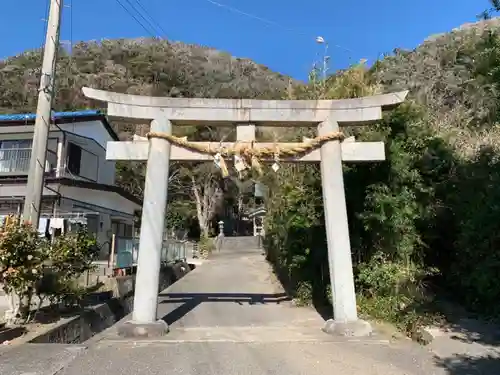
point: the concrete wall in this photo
(91, 323)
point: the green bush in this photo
(70, 256)
(387, 205)
(30, 264)
(22, 260)
(206, 246)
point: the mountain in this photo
(456, 77)
(140, 66)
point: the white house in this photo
(79, 181)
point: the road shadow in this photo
(474, 331)
(466, 327)
(477, 334)
(469, 365)
(189, 301)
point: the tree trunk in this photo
(205, 231)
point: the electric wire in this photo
(151, 18)
(150, 24)
(269, 22)
(151, 33)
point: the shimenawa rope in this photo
(247, 151)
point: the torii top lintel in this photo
(190, 111)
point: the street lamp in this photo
(326, 58)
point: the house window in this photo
(82, 162)
(16, 144)
(15, 156)
(122, 229)
(93, 224)
(74, 158)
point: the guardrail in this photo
(126, 252)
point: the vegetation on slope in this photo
(428, 215)
(143, 67)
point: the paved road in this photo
(230, 316)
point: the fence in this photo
(126, 251)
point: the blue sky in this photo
(363, 29)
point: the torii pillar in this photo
(328, 115)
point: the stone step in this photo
(240, 243)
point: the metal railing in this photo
(127, 251)
(17, 160)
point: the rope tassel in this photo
(223, 167)
(255, 163)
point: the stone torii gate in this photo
(328, 115)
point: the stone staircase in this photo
(235, 244)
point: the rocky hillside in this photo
(142, 66)
(456, 76)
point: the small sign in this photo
(259, 189)
(217, 157)
(239, 163)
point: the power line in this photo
(143, 17)
(153, 21)
(264, 20)
(153, 34)
(42, 44)
(268, 22)
(151, 24)
(46, 22)
(71, 29)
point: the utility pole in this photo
(34, 188)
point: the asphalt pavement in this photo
(231, 316)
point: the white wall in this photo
(106, 199)
(90, 129)
(92, 137)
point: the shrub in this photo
(30, 264)
(387, 203)
(70, 256)
(206, 246)
(22, 260)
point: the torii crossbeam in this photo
(328, 115)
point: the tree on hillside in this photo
(205, 186)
